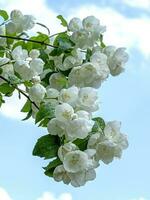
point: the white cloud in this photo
(50, 196)
(138, 3)
(4, 195)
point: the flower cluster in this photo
(61, 81)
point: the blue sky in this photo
(125, 98)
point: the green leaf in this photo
(88, 55)
(46, 111)
(1, 70)
(6, 89)
(99, 124)
(49, 169)
(63, 41)
(56, 52)
(26, 107)
(43, 38)
(82, 143)
(101, 40)
(47, 146)
(28, 115)
(1, 100)
(4, 14)
(63, 21)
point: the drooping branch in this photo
(28, 40)
(19, 90)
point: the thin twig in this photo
(28, 40)
(19, 90)
(44, 27)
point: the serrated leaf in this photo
(99, 124)
(47, 146)
(4, 14)
(49, 169)
(46, 111)
(63, 21)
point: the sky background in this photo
(125, 98)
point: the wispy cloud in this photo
(145, 4)
(4, 195)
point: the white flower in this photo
(75, 24)
(75, 161)
(116, 59)
(105, 151)
(21, 22)
(19, 54)
(79, 128)
(81, 39)
(34, 53)
(88, 75)
(57, 81)
(23, 69)
(83, 114)
(37, 92)
(64, 112)
(90, 23)
(60, 174)
(55, 127)
(69, 62)
(36, 65)
(28, 22)
(16, 15)
(52, 93)
(100, 62)
(26, 66)
(109, 50)
(80, 178)
(99, 58)
(73, 60)
(112, 133)
(88, 99)
(93, 140)
(110, 144)
(69, 95)
(66, 148)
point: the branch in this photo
(19, 90)
(44, 27)
(28, 40)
